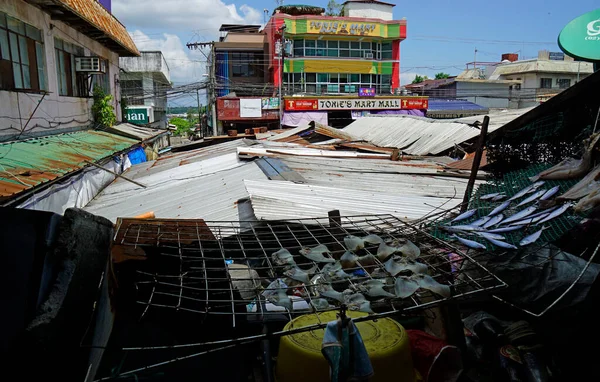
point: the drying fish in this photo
(550, 193)
(532, 197)
(429, 283)
(320, 304)
(489, 196)
(333, 272)
(500, 243)
(571, 168)
(470, 243)
(531, 238)
(405, 286)
(374, 288)
(404, 246)
(409, 249)
(493, 221)
(384, 251)
(399, 264)
(283, 257)
(461, 228)
(276, 294)
(348, 260)
(505, 229)
(327, 291)
(367, 260)
(500, 208)
(557, 212)
(358, 302)
(481, 221)
(494, 236)
(316, 254)
(523, 192)
(465, 215)
(520, 215)
(586, 185)
(589, 202)
(372, 239)
(354, 243)
(299, 274)
(497, 198)
(529, 220)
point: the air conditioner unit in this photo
(368, 55)
(92, 65)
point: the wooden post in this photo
(476, 163)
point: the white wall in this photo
(533, 80)
(370, 10)
(55, 112)
(497, 94)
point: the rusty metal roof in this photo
(92, 19)
(32, 162)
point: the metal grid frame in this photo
(191, 257)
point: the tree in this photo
(102, 109)
(334, 8)
(183, 125)
(418, 79)
(441, 76)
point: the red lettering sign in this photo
(301, 104)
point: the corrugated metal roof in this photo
(423, 136)
(199, 189)
(32, 162)
(94, 14)
(467, 163)
(137, 132)
(452, 104)
(286, 200)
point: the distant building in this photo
(144, 84)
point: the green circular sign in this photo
(581, 37)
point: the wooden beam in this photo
(476, 162)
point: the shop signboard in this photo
(344, 27)
(366, 92)
(325, 104)
(556, 56)
(270, 103)
(581, 37)
(137, 115)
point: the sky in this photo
(442, 36)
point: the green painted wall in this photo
(301, 26)
(386, 68)
(393, 30)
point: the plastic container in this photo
(387, 344)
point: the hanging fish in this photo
(494, 236)
(505, 229)
(498, 198)
(481, 221)
(334, 272)
(316, 254)
(532, 197)
(374, 288)
(327, 291)
(464, 215)
(429, 283)
(531, 238)
(276, 293)
(500, 243)
(493, 221)
(550, 193)
(348, 260)
(358, 302)
(519, 215)
(489, 196)
(500, 208)
(470, 243)
(557, 212)
(399, 264)
(405, 286)
(283, 257)
(372, 239)
(353, 243)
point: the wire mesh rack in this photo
(227, 269)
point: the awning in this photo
(30, 163)
(303, 117)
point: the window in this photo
(546, 83)
(349, 83)
(246, 64)
(69, 82)
(386, 51)
(563, 83)
(22, 61)
(343, 49)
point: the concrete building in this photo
(52, 54)
(144, 84)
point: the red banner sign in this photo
(340, 103)
(301, 104)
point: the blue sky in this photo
(442, 35)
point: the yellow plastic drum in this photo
(300, 357)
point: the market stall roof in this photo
(136, 132)
(32, 162)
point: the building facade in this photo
(144, 83)
(51, 57)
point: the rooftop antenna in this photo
(265, 12)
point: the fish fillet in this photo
(405, 287)
(572, 168)
(589, 202)
(585, 186)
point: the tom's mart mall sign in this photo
(581, 37)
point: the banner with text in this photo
(356, 104)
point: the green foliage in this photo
(334, 8)
(297, 10)
(102, 109)
(418, 79)
(441, 76)
(183, 125)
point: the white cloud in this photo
(184, 65)
(407, 78)
(206, 15)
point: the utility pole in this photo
(199, 113)
(281, 63)
(212, 98)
